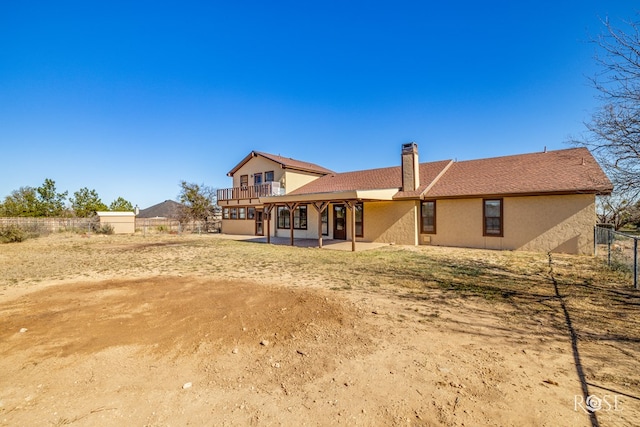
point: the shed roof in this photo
(115, 214)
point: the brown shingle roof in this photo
(166, 209)
(371, 179)
(563, 171)
(285, 163)
(572, 170)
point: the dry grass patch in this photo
(567, 310)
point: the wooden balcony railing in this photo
(251, 192)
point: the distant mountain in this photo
(166, 209)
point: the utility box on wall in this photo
(122, 222)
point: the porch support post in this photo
(351, 205)
(267, 212)
(320, 207)
(291, 207)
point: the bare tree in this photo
(614, 130)
(198, 201)
(615, 210)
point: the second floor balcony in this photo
(250, 191)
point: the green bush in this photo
(104, 229)
(16, 233)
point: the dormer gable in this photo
(283, 174)
(283, 163)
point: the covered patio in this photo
(320, 202)
(331, 244)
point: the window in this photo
(242, 213)
(428, 215)
(324, 218)
(234, 213)
(492, 213)
(251, 213)
(225, 213)
(244, 181)
(283, 217)
(257, 178)
(268, 176)
(359, 211)
(299, 218)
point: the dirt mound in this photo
(165, 315)
(161, 333)
(173, 350)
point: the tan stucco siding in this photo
(458, 223)
(551, 223)
(121, 227)
(296, 179)
(391, 222)
(239, 226)
(120, 224)
(289, 179)
(258, 165)
(562, 223)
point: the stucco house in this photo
(541, 201)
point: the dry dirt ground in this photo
(176, 349)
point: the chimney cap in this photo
(409, 147)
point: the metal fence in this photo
(88, 225)
(50, 225)
(166, 225)
(620, 249)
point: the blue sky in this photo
(130, 98)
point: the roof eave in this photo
(375, 194)
(248, 157)
(315, 172)
(597, 192)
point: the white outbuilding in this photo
(122, 222)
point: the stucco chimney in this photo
(410, 167)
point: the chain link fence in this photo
(619, 249)
(45, 226)
(173, 226)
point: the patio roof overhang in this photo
(376, 194)
(320, 201)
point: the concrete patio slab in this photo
(331, 244)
